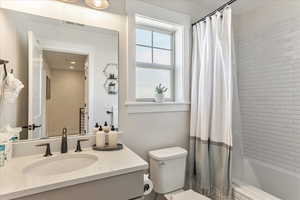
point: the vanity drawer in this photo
(122, 187)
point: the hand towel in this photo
(11, 88)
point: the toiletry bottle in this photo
(2, 155)
(106, 128)
(96, 128)
(113, 137)
(100, 138)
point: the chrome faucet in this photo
(64, 141)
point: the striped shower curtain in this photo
(210, 152)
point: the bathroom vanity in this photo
(92, 175)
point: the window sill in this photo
(152, 107)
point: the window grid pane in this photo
(144, 37)
(161, 47)
(148, 78)
(144, 54)
(162, 57)
(162, 40)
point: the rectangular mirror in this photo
(70, 74)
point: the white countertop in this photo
(14, 183)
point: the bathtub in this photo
(243, 191)
(260, 181)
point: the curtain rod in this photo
(214, 12)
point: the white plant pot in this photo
(159, 98)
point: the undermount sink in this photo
(60, 164)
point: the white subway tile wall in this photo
(269, 86)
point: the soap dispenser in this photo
(64, 141)
(113, 137)
(100, 138)
(106, 128)
(96, 128)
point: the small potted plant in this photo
(160, 91)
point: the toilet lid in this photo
(190, 195)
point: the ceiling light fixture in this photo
(73, 62)
(71, 67)
(98, 4)
(69, 1)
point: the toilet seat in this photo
(187, 195)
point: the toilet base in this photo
(169, 196)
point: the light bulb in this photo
(97, 4)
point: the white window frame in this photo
(171, 68)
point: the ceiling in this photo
(62, 61)
(199, 8)
(195, 8)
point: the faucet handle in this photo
(78, 147)
(48, 150)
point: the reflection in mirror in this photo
(70, 74)
(65, 82)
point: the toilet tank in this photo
(167, 169)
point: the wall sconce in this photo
(95, 4)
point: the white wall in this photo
(269, 58)
(194, 8)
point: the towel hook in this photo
(4, 62)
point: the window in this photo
(154, 62)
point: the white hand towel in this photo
(11, 88)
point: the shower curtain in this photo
(210, 152)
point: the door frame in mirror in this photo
(50, 46)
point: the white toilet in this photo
(167, 172)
